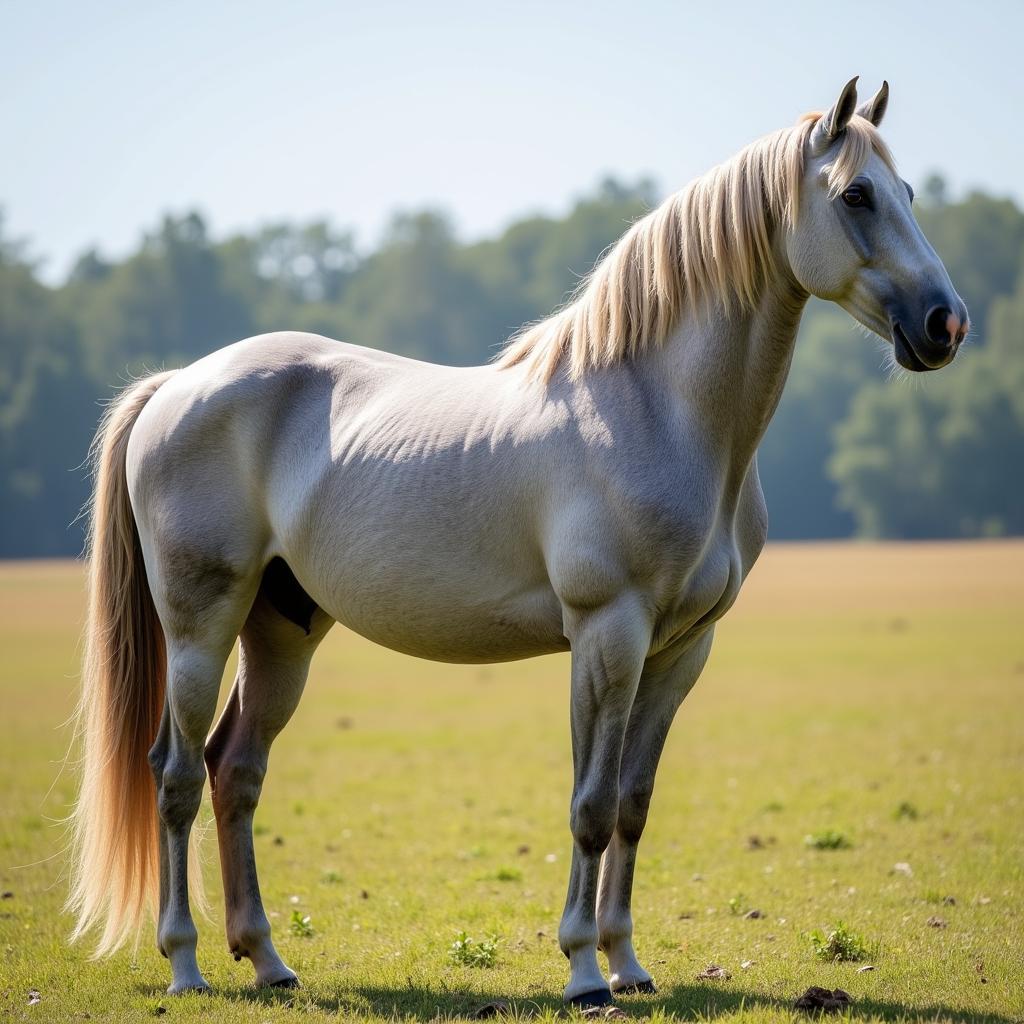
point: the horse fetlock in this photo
(252, 935)
(576, 933)
(178, 944)
(252, 940)
(614, 930)
(615, 927)
(175, 936)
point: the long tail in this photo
(114, 839)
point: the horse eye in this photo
(853, 197)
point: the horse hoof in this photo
(592, 1000)
(200, 987)
(638, 988)
(289, 981)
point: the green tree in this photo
(849, 449)
(166, 305)
(981, 242)
(831, 363)
(416, 296)
(46, 415)
(932, 463)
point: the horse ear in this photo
(874, 109)
(833, 124)
(836, 120)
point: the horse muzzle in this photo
(935, 342)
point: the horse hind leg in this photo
(202, 598)
(196, 655)
(278, 640)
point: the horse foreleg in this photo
(658, 696)
(608, 649)
(273, 665)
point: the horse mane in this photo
(710, 241)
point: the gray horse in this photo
(594, 491)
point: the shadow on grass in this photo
(703, 1002)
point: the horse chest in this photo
(699, 595)
(707, 593)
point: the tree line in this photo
(852, 450)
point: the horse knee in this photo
(592, 822)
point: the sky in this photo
(112, 114)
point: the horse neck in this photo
(729, 367)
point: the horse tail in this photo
(114, 839)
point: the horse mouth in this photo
(907, 356)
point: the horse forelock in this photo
(711, 241)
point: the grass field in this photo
(876, 692)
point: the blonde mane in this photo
(710, 241)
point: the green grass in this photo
(469, 952)
(409, 804)
(839, 945)
(827, 839)
(301, 924)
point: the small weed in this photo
(330, 878)
(736, 904)
(838, 945)
(906, 811)
(469, 952)
(506, 874)
(773, 807)
(827, 839)
(301, 924)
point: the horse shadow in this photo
(422, 1003)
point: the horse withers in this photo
(594, 490)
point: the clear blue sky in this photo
(114, 113)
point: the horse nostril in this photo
(965, 323)
(942, 326)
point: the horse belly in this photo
(415, 582)
(441, 624)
